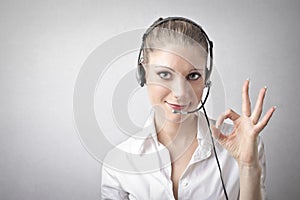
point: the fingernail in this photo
(265, 87)
(275, 107)
(248, 79)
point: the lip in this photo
(176, 106)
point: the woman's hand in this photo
(242, 141)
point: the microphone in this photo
(208, 84)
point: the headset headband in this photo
(141, 71)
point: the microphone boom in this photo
(197, 109)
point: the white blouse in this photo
(140, 168)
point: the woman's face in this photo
(175, 80)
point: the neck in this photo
(176, 133)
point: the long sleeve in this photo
(262, 162)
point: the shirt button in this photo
(185, 183)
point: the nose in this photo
(181, 89)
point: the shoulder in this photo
(118, 155)
(135, 155)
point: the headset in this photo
(141, 76)
(141, 71)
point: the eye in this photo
(164, 75)
(194, 76)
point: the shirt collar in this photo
(148, 137)
(204, 141)
(149, 141)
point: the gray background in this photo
(44, 44)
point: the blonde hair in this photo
(177, 31)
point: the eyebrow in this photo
(164, 67)
(156, 66)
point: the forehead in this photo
(183, 56)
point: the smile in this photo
(176, 106)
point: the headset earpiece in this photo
(209, 70)
(141, 75)
(207, 75)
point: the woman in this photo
(173, 156)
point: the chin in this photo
(175, 117)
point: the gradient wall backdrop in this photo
(45, 43)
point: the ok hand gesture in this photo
(242, 141)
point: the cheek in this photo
(198, 91)
(156, 93)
